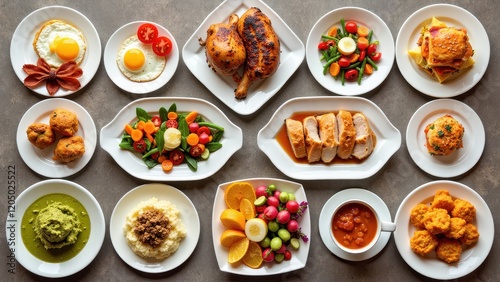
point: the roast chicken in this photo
(262, 49)
(224, 48)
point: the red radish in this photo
(283, 217)
(270, 213)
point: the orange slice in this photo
(229, 237)
(247, 208)
(253, 257)
(238, 191)
(233, 219)
(238, 250)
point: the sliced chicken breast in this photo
(364, 137)
(295, 132)
(313, 142)
(347, 134)
(328, 133)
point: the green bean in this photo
(325, 67)
(211, 125)
(360, 75)
(154, 150)
(342, 78)
(330, 37)
(370, 33)
(342, 22)
(352, 66)
(325, 55)
(372, 63)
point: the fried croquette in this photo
(442, 200)
(64, 122)
(437, 221)
(449, 250)
(457, 228)
(423, 242)
(417, 215)
(41, 135)
(464, 209)
(69, 149)
(471, 235)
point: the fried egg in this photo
(138, 62)
(58, 42)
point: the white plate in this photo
(292, 55)
(388, 139)
(458, 162)
(430, 265)
(97, 230)
(381, 32)
(325, 225)
(40, 161)
(453, 16)
(299, 257)
(188, 215)
(112, 48)
(132, 163)
(21, 46)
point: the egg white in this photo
(49, 32)
(153, 65)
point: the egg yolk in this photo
(67, 49)
(134, 59)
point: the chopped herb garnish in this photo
(448, 127)
(440, 133)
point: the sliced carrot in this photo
(149, 127)
(140, 125)
(136, 134)
(210, 137)
(333, 31)
(161, 159)
(334, 69)
(363, 31)
(353, 58)
(192, 139)
(167, 165)
(368, 69)
(191, 117)
(128, 129)
(172, 115)
(150, 137)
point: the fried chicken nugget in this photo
(442, 200)
(449, 250)
(464, 209)
(417, 215)
(457, 228)
(69, 149)
(437, 221)
(64, 122)
(41, 135)
(471, 235)
(423, 242)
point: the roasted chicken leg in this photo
(262, 49)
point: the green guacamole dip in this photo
(55, 228)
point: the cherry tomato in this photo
(351, 74)
(139, 146)
(176, 156)
(375, 56)
(372, 48)
(344, 62)
(204, 138)
(362, 55)
(351, 27)
(196, 150)
(156, 121)
(147, 33)
(162, 46)
(155, 156)
(172, 123)
(203, 129)
(323, 46)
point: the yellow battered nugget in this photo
(423, 242)
(442, 200)
(444, 136)
(457, 228)
(64, 122)
(464, 209)
(471, 235)
(437, 221)
(40, 135)
(449, 250)
(417, 215)
(69, 149)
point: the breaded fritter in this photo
(442, 200)
(423, 242)
(457, 228)
(464, 209)
(471, 235)
(444, 136)
(64, 122)
(417, 215)
(41, 135)
(437, 221)
(69, 149)
(449, 250)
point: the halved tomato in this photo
(162, 46)
(176, 156)
(147, 33)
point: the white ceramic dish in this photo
(86, 255)
(188, 215)
(381, 32)
(471, 258)
(388, 139)
(292, 55)
(40, 161)
(21, 48)
(325, 225)
(458, 162)
(112, 48)
(131, 162)
(453, 16)
(299, 257)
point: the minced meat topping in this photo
(152, 228)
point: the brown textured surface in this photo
(108, 182)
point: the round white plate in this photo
(325, 225)
(430, 266)
(381, 32)
(458, 162)
(97, 228)
(40, 161)
(21, 48)
(453, 16)
(188, 215)
(131, 162)
(112, 48)
(299, 257)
